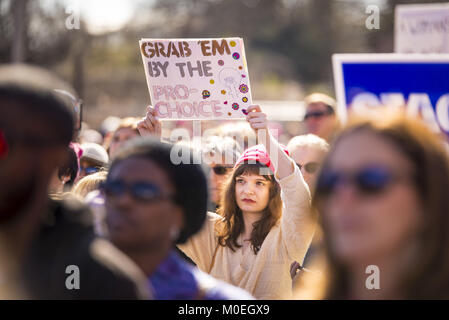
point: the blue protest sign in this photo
(420, 83)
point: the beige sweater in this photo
(267, 274)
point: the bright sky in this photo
(104, 15)
(110, 15)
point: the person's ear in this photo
(65, 179)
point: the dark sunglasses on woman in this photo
(310, 167)
(90, 170)
(317, 114)
(369, 181)
(141, 191)
(221, 170)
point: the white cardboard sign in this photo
(197, 79)
(422, 28)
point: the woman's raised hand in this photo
(149, 125)
(256, 118)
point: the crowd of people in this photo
(238, 216)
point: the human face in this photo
(305, 155)
(119, 138)
(252, 192)
(217, 178)
(322, 126)
(134, 224)
(366, 226)
(87, 168)
(25, 172)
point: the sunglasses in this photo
(90, 170)
(317, 114)
(141, 191)
(310, 167)
(368, 181)
(221, 170)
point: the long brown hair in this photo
(230, 228)
(428, 276)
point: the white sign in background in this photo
(422, 28)
(197, 79)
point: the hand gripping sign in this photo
(197, 79)
(417, 82)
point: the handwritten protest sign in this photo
(418, 83)
(197, 79)
(422, 28)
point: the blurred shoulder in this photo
(214, 289)
(65, 239)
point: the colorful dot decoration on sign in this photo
(229, 114)
(225, 102)
(206, 94)
(236, 55)
(223, 91)
(244, 111)
(245, 99)
(232, 43)
(212, 81)
(243, 88)
(235, 106)
(240, 68)
(243, 76)
(220, 62)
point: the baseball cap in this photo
(94, 152)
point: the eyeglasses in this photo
(310, 167)
(141, 191)
(90, 170)
(368, 181)
(317, 114)
(221, 170)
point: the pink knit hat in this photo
(259, 154)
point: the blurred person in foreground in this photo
(382, 195)
(152, 204)
(41, 237)
(321, 117)
(117, 133)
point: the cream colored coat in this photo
(267, 274)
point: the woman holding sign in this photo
(256, 235)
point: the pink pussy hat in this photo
(258, 153)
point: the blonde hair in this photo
(309, 141)
(89, 183)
